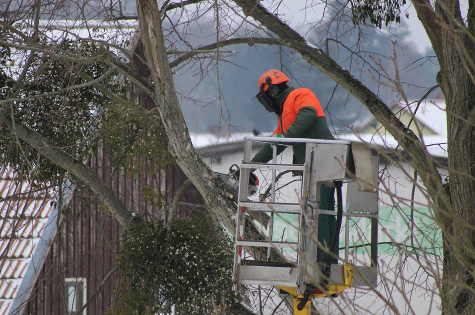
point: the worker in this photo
(299, 116)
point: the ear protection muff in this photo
(272, 89)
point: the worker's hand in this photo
(235, 172)
(253, 179)
(278, 135)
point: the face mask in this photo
(268, 98)
(264, 100)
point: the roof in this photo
(432, 115)
(429, 118)
(430, 121)
(201, 140)
(430, 124)
(27, 224)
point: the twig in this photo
(98, 289)
(174, 205)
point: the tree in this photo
(256, 23)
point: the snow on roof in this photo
(435, 145)
(201, 140)
(27, 224)
(430, 114)
(114, 33)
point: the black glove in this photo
(235, 172)
(253, 179)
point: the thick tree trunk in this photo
(459, 236)
(123, 215)
(459, 233)
(169, 107)
(453, 42)
(418, 156)
(456, 78)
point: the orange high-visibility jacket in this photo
(295, 101)
(296, 104)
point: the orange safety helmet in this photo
(276, 77)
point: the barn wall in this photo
(88, 238)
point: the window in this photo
(75, 295)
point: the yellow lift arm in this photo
(331, 290)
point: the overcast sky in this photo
(296, 14)
(418, 35)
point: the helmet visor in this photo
(264, 100)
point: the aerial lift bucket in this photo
(328, 163)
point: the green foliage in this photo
(377, 12)
(183, 265)
(55, 101)
(133, 136)
(6, 83)
(154, 197)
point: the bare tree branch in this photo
(419, 157)
(235, 41)
(428, 18)
(176, 199)
(58, 156)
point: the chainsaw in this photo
(232, 179)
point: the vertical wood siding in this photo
(88, 238)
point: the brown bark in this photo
(455, 51)
(419, 158)
(454, 45)
(123, 215)
(169, 108)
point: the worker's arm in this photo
(264, 155)
(305, 118)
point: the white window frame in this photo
(72, 302)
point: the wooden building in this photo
(61, 252)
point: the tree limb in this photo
(176, 199)
(427, 16)
(419, 158)
(167, 103)
(67, 162)
(234, 41)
